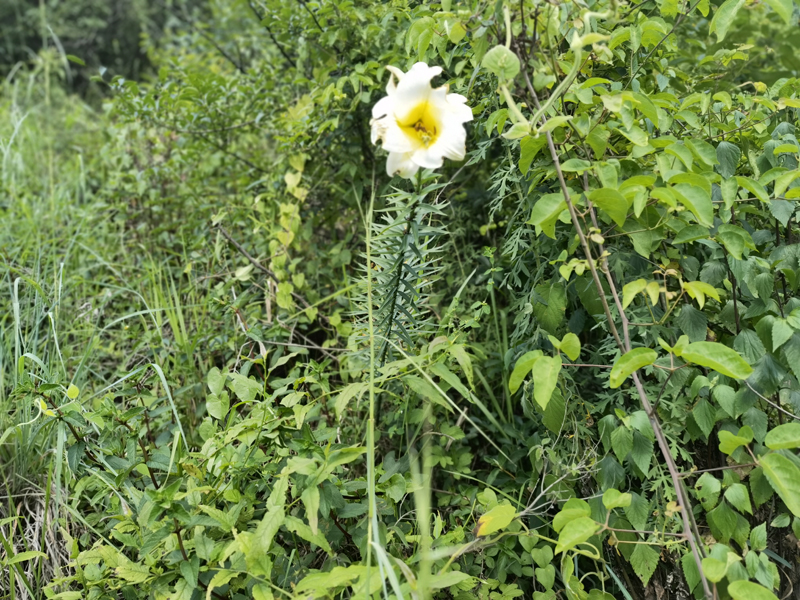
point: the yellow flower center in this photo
(422, 124)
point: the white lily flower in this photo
(419, 126)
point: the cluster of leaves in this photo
(568, 367)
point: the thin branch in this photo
(771, 403)
(275, 41)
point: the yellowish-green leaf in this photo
(496, 519)
(630, 362)
(716, 356)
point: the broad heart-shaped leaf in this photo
(784, 436)
(571, 346)
(496, 519)
(723, 18)
(522, 368)
(502, 62)
(615, 499)
(545, 213)
(630, 362)
(576, 532)
(697, 200)
(784, 476)
(729, 442)
(783, 8)
(612, 203)
(747, 590)
(715, 356)
(545, 378)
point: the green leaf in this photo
(615, 499)
(545, 378)
(576, 532)
(529, 148)
(310, 498)
(704, 151)
(575, 165)
(728, 156)
(784, 477)
(218, 406)
(728, 442)
(449, 579)
(716, 356)
(542, 556)
(571, 346)
(784, 436)
(502, 62)
(612, 203)
(723, 18)
(72, 391)
(758, 537)
(705, 416)
(708, 488)
(133, 572)
(521, 369)
(714, 569)
(644, 561)
(630, 362)
(496, 519)
(76, 60)
(781, 332)
(216, 380)
(753, 186)
(630, 290)
(26, 556)
(784, 9)
(698, 201)
(546, 576)
(737, 495)
(622, 442)
(546, 211)
(747, 590)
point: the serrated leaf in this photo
(630, 362)
(737, 495)
(622, 442)
(716, 356)
(644, 561)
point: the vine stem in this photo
(688, 532)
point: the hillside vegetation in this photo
(402, 300)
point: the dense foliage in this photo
(239, 360)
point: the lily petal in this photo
(400, 163)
